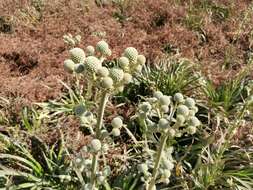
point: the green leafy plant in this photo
(170, 75)
(50, 168)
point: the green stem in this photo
(103, 102)
(158, 161)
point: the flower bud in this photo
(191, 130)
(141, 59)
(127, 78)
(90, 50)
(164, 108)
(102, 47)
(131, 53)
(107, 82)
(103, 72)
(123, 62)
(164, 100)
(69, 65)
(180, 119)
(92, 64)
(117, 122)
(95, 145)
(163, 123)
(116, 132)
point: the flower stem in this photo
(157, 162)
(101, 111)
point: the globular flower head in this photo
(90, 50)
(191, 130)
(95, 145)
(145, 107)
(103, 72)
(180, 119)
(143, 168)
(119, 89)
(92, 64)
(158, 94)
(117, 122)
(178, 97)
(116, 74)
(163, 123)
(102, 47)
(77, 55)
(141, 59)
(69, 65)
(164, 108)
(127, 78)
(193, 121)
(131, 53)
(108, 52)
(164, 100)
(107, 82)
(123, 62)
(138, 68)
(183, 110)
(79, 68)
(116, 132)
(189, 102)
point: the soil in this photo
(32, 50)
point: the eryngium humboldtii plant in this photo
(88, 64)
(163, 118)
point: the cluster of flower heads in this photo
(171, 117)
(101, 145)
(90, 63)
(72, 41)
(166, 165)
(176, 114)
